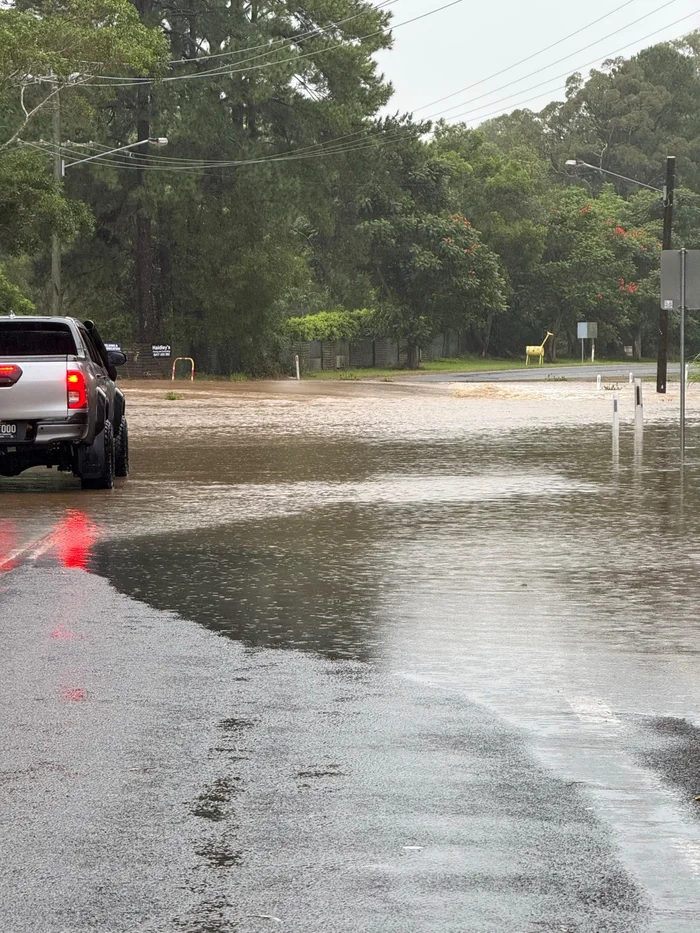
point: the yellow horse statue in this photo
(537, 351)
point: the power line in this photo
(548, 48)
(226, 70)
(300, 36)
(324, 146)
(360, 133)
(163, 163)
(268, 46)
(545, 68)
(566, 74)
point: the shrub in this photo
(332, 325)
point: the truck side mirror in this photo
(116, 357)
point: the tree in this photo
(431, 267)
(505, 197)
(328, 206)
(44, 46)
(590, 268)
(42, 52)
(312, 80)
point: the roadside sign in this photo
(680, 288)
(160, 350)
(113, 346)
(671, 279)
(587, 330)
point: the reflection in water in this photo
(74, 540)
(302, 582)
(74, 694)
(519, 571)
(300, 564)
(71, 541)
(8, 546)
(294, 541)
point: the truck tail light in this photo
(9, 374)
(77, 393)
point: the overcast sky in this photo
(474, 40)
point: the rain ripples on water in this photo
(324, 523)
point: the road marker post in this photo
(638, 408)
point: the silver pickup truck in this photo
(59, 405)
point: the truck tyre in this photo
(106, 478)
(121, 450)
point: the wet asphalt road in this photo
(353, 665)
(617, 371)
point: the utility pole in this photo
(144, 246)
(56, 297)
(662, 358)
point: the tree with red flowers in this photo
(592, 268)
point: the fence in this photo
(369, 353)
(141, 364)
(314, 356)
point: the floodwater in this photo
(485, 623)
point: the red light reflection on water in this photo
(71, 540)
(62, 632)
(8, 545)
(73, 694)
(75, 537)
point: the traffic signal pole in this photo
(662, 358)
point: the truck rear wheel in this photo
(106, 478)
(121, 450)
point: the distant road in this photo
(618, 371)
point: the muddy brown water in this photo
(487, 543)
(312, 516)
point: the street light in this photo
(576, 163)
(668, 195)
(152, 141)
(60, 166)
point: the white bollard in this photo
(631, 378)
(599, 383)
(616, 420)
(638, 407)
(296, 361)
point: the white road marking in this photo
(39, 545)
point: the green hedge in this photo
(332, 325)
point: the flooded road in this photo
(357, 658)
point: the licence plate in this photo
(12, 431)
